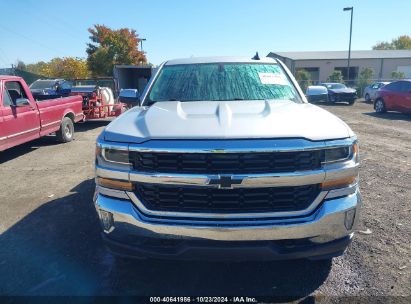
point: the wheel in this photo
(66, 131)
(379, 106)
(367, 97)
(351, 102)
(332, 98)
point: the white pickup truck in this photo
(223, 158)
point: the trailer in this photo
(132, 76)
(98, 102)
(96, 81)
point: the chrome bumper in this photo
(326, 223)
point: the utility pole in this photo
(141, 40)
(349, 45)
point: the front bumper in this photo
(335, 97)
(323, 233)
(318, 97)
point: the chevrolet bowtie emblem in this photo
(225, 181)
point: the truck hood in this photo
(226, 120)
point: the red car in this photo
(395, 96)
(23, 119)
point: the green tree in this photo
(336, 76)
(66, 67)
(110, 47)
(400, 43)
(365, 79)
(397, 75)
(36, 68)
(303, 78)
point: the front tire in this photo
(351, 102)
(367, 97)
(66, 131)
(379, 106)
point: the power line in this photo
(58, 20)
(4, 58)
(30, 39)
(67, 30)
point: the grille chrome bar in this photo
(250, 145)
(249, 180)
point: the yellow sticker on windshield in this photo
(271, 78)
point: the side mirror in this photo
(129, 97)
(22, 102)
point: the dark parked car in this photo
(395, 96)
(316, 93)
(339, 92)
(50, 88)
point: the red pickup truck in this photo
(23, 119)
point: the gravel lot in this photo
(50, 244)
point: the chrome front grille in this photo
(228, 178)
(219, 199)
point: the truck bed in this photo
(51, 111)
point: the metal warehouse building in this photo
(321, 64)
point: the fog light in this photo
(349, 219)
(106, 219)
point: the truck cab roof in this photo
(10, 77)
(219, 59)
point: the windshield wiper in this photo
(151, 102)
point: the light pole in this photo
(141, 40)
(349, 46)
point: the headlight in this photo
(113, 155)
(332, 157)
(341, 154)
(116, 156)
(336, 154)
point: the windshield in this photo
(222, 81)
(335, 86)
(42, 84)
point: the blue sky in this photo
(33, 30)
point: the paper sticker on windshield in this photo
(271, 78)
